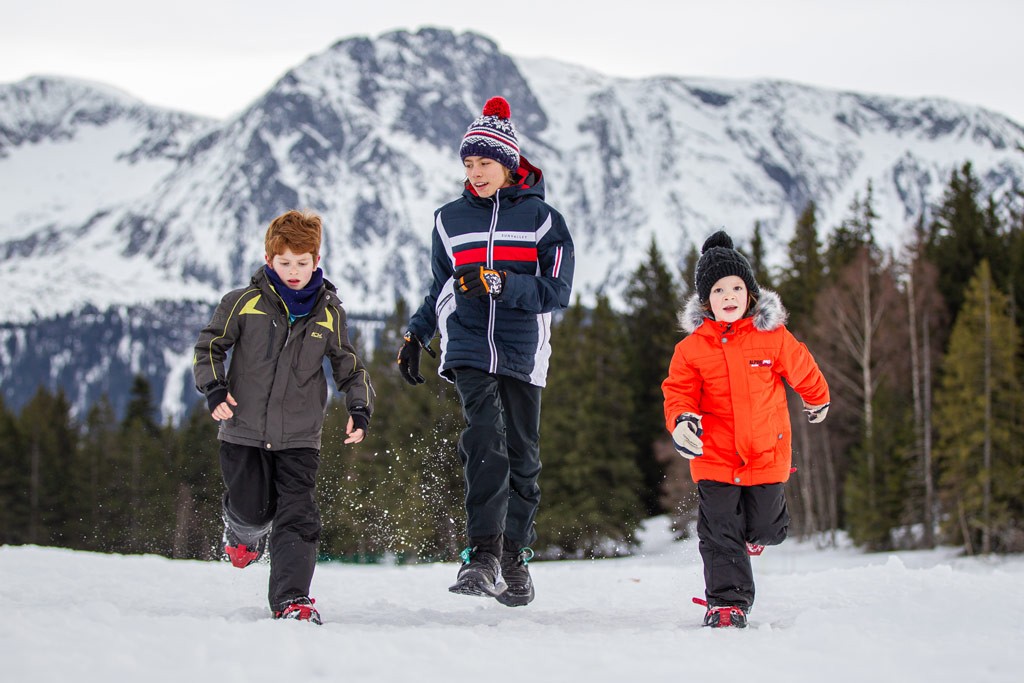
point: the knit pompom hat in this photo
(718, 259)
(492, 135)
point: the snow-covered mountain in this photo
(112, 206)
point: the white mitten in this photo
(686, 436)
(816, 414)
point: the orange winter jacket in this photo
(731, 374)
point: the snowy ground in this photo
(821, 615)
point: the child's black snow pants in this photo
(500, 453)
(275, 491)
(728, 517)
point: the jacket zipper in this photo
(270, 338)
(491, 304)
(287, 315)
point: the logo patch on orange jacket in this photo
(766, 363)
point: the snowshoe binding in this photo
(722, 616)
(300, 609)
(242, 554)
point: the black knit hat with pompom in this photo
(718, 259)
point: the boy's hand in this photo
(686, 436)
(816, 414)
(223, 411)
(356, 434)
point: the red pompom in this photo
(497, 106)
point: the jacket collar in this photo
(768, 313)
(329, 291)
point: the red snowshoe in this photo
(722, 616)
(300, 609)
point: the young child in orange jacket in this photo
(726, 407)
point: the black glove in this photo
(409, 358)
(476, 281)
(216, 393)
(360, 420)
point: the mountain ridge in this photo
(112, 203)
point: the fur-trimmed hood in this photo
(768, 313)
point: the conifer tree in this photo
(803, 278)
(652, 303)
(960, 236)
(855, 233)
(689, 272)
(978, 406)
(590, 486)
(759, 259)
(1015, 268)
(149, 467)
(197, 487)
(13, 480)
(106, 495)
(51, 440)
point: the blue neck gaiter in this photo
(299, 301)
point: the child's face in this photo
(295, 270)
(486, 175)
(728, 299)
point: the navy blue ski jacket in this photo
(514, 231)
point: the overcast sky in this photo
(215, 57)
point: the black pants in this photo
(274, 491)
(728, 517)
(500, 453)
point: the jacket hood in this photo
(768, 313)
(530, 183)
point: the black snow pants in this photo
(500, 453)
(274, 492)
(728, 517)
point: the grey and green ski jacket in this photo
(276, 371)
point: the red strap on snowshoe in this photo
(240, 555)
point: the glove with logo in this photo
(816, 414)
(409, 358)
(474, 281)
(686, 436)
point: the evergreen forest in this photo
(923, 445)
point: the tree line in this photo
(923, 444)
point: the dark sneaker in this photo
(300, 609)
(722, 616)
(516, 573)
(242, 554)
(754, 549)
(480, 574)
